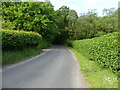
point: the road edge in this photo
(25, 60)
(81, 81)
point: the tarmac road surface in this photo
(55, 68)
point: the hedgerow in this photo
(102, 49)
(44, 44)
(14, 39)
(30, 16)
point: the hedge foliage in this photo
(102, 49)
(44, 44)
(13, 39)
(30, 16)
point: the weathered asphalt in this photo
(54, 69)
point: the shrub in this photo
(69, 42)
(30, 16)
(44, 44)
(13, 39)
(102, 49)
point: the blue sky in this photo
(82, 6)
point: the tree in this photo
(90, 25)
(109, 11)
(30, 16)
(66, 17)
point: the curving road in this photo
(55, 68)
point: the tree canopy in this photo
(60, 25)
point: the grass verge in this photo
(96, 76)
(11, 57)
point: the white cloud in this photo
(91, 2)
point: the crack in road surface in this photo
(54, 69)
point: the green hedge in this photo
(44, 44)
(102, 49)
(13, 39)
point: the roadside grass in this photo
(96, 76)
(11, 57)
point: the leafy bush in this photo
(69, 42)
(13, 39)
(30, 16)
(102, 49)
(44, 44)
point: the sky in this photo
(82, 6)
